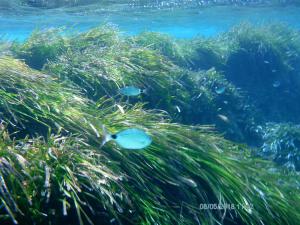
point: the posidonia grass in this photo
(281, 144)
(111, 61)
(53, 169)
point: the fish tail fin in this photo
(106, 136)
(145, 91)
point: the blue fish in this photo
(220, 90)
(131, 91)
(131, 138)
(276, 84)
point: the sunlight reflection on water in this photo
(183, 23)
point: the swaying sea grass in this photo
(264, 61)
(282, 144)
(111, 62)
(32, 102)
(259, 61)
(59, 176)
(138, 188)
(41, 47)
(54, 170)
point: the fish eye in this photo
(114, 136)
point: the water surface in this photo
(183, 23)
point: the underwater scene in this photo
(150, 112)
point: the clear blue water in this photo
(183, 23)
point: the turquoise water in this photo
(183, 23)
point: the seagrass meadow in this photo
(58, 88)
